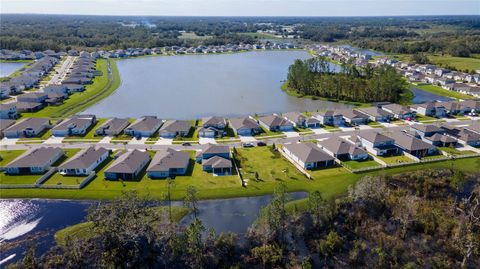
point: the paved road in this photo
(62, 71)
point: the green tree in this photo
(268, 255)
(191, 200)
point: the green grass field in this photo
(7, 156)
(454, 151)
(395, 159)
(440, 91)
(101, 87)
(459, 63)
(360, 164)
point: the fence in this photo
(236, 166)
(301, 169)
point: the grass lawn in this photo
(331, 182)
(395, 159)
(460, 63)
(19, 179)
(83, 230)
(58, 179)
(101, 87)
(422, 118)
(261, 35)
(374, 124)
(192, 35)
(361, 164)
(191, 136)
(6, 156)
(454, 151)
(440, 91)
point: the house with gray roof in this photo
(169, 163)
(440, 140)
(84, 162)
(29, 127)
(464, 135)
(128, 166)
(425, 129)
(275, 123)
(399, 112)
(4, 124)
(296, 118)
(34, 161)
(74, 126)
(28, 106)
(245, 126)
(112, 127)
(431, 109)
(215, 159)
(376, 114)
(412, 145)
(308, 155)
(8, 111)
(353, 117)
(312, 122)
(215, 122)
(144, 127)
(330, 117)
(377, 143)
(343, 150)
(33, 97)
(174, 128)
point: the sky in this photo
(244, 7)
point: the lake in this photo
(8, 68)
(38, 219)
(194, 86)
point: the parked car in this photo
(261, 144)
(248, 145)
(186, 144)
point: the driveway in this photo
(291, 134)
(54, 140)
(135, 141)
(164, 141)
(205, 140)
(105, 140)
(320, 131)
(8, 141)
(246, 139)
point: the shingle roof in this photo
(207, 121)
(115, 124)
(84, 159)
(340, 146)
(128, 162)
(294, 116)
(374, 137)
(39, 157)
(244, 123)
(426, 128)
(375, 112)
(165, 160)
(216, 149)
(145, 124)
(33, 123)
(274, 120)
(176, 126)
(409, 142)
(308, 152)
(218, 162)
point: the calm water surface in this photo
(6, 69)
(192, 86)
(421, 96)
(38, 219)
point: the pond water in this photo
(193, 86)
(7, 68)
(421, 96)
(38, 220)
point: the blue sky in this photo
(244, 7)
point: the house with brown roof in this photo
(84, 162)
(169, 163)
(29, 127)
(343, 150)
(275, 123)
(112, 127)
(308, 155)
(245, 126)
(128, 166)
(144, 127)
(34, 161)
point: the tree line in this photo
(377, 225)
(316, 77)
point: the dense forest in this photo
(455, 35)
(314, 77)
(423, 219)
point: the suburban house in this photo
(432, 109)
(330, 117)
(399, 111)
(426, 129)
(474, 105)
(312, 122)
(169, 163)
(296, 118)
(412, 145)
(376, 114)
(29, 127)
(112, 127)
(377, 143)
(440, 140)
(245, 126)
(33, 97)
(275, 123)
(35, 161)
(144, 127)
(4, 124)
(308, 155)
(8, 111)
(212, 127)
(343, 150)
(74, 126)
(215, 159)
(463, 135)
(173, 128)
(55, 98)
(353, 117)
(128, 166)
(84, 162)
(454, 108)
(28, 106)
